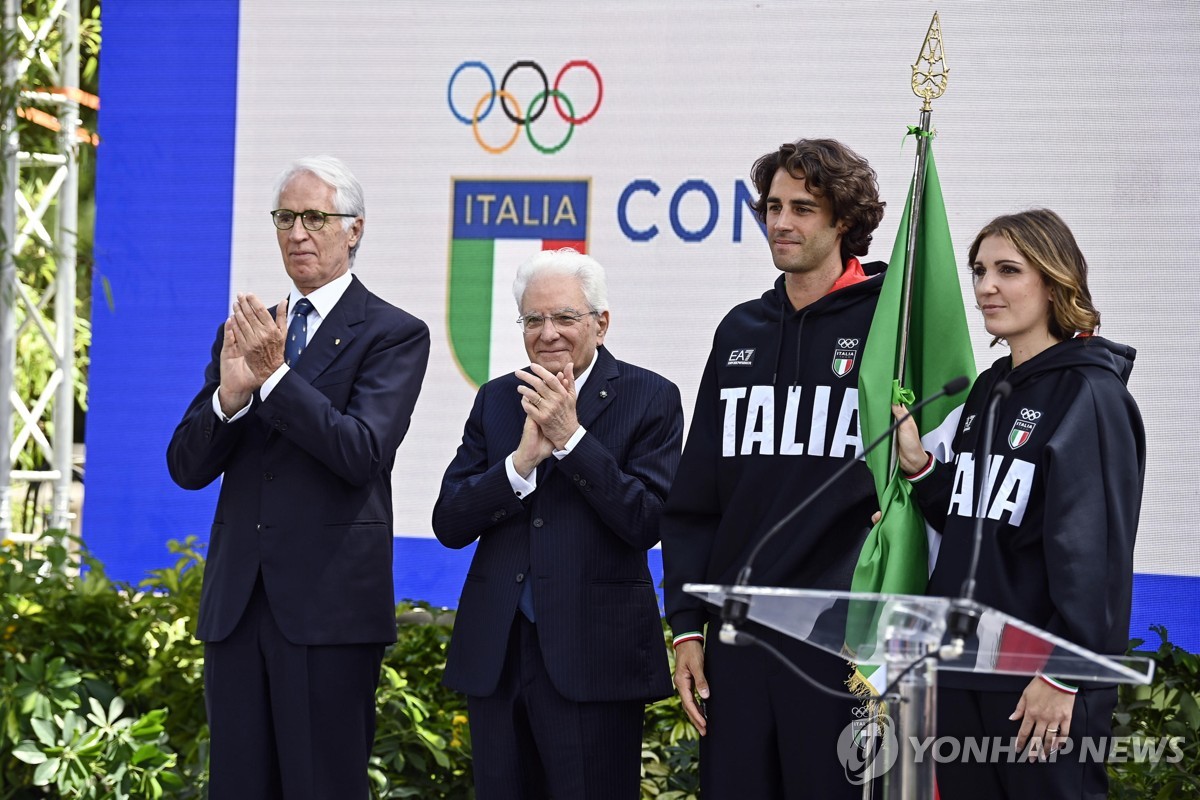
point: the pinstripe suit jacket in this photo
(581, 537)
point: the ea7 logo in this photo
(743, 357)
(1022, 428)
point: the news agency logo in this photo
(496, 224)
(867, 747)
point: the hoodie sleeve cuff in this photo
(1065, 688)
(923, 472)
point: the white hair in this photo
(347, 191)
(567, 261)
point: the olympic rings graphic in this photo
(847, 342)
(537, 106)
(1029, 414)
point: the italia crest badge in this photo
(1022, 428)
(497, 224)
(844, 356)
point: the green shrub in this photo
(102, 696)
(1166, 708)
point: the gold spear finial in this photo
(930, 74)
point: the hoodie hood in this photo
(1082, 351)
(776, 306)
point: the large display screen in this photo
(630, 129)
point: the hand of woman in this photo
(913, 457)
(1045, 714)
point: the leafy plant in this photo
(91, 666)
(1166, 708)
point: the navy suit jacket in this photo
(306, 497)
(581, 537)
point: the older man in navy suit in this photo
(560, 478)
(301, 413)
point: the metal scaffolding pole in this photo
(64, 294)
(8, 266)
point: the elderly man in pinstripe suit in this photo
(560, 478)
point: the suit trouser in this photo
(770, 735)
(528, 742)
(288, 721)
(965, 713)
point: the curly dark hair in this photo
(832, 170)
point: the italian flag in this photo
(898, 554)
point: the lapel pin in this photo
(337, 341)
(603, 393)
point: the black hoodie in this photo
(776, 414)
(1070, 454)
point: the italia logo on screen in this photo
(524, 99)
(497, 224)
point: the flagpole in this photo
(929, 78)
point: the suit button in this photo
(520, 577)
(575, 477)
(583, 482)
(496, 517)
(258, 526)
(268, 476)
(537, 523)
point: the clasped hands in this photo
(252, 349)
(549, 404)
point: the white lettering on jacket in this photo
(759, 435)
(1012, 496)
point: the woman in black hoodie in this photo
(1065, 489)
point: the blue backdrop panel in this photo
(1168, 600)
(164, 194)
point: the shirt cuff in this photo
(521, 487)
(924, 472)
(690, 636)
(221, 414)
(570, 445)
(272, 381)
(1065, 688)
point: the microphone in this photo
(963, 619)
(735, 607)
(1001, 391)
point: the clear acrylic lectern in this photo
(898, 631)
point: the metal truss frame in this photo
(48, 420)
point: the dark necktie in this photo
(297, 335)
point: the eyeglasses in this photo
(312, 220)
(563, 321)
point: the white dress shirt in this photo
(323, 300)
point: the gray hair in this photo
(347, 191)
(567, 261)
